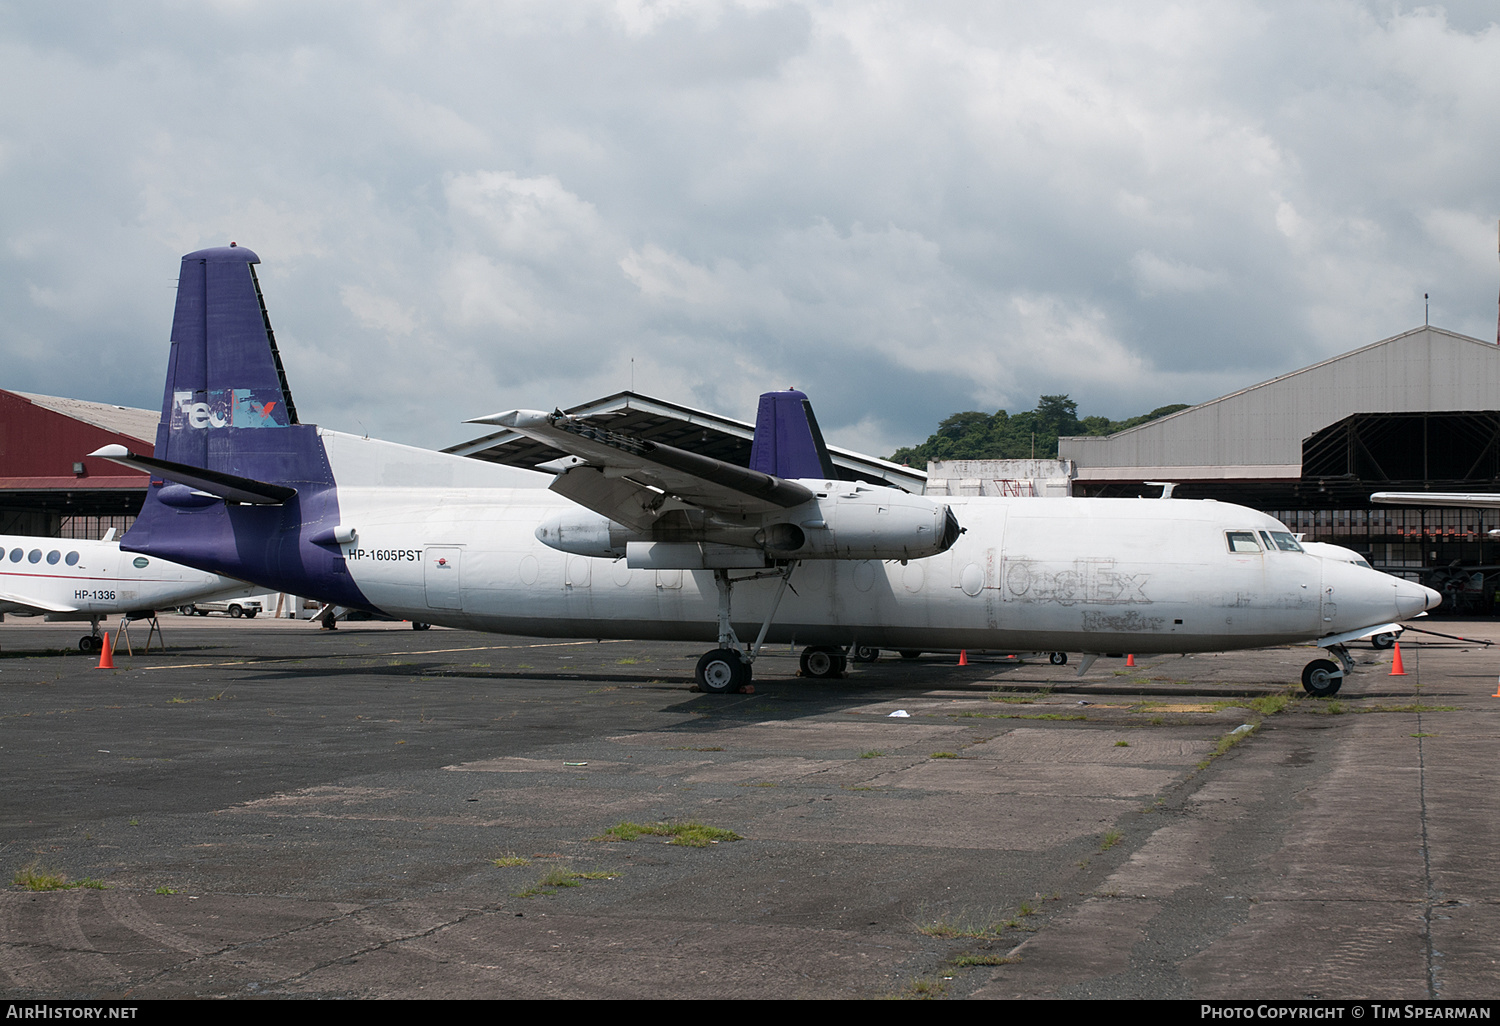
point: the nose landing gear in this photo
(1322, 678)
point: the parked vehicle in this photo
(237, 608)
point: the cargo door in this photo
(443, 576)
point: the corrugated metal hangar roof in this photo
(1361, 416)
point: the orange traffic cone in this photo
(1497, 692)
(1397, 670)
(106, 654)
(1130, 659)
(963, 657)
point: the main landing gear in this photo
(1322, 678)
(822, 662)
(726, 669)
(91, 642)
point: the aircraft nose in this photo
(1412, 598)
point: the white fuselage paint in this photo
(37, 577)
(433, 543)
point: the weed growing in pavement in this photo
(36, 878)
(690, 834)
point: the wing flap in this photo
(623, 501)
(701, 480)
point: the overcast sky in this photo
(904, 209)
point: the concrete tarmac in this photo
(272, 810)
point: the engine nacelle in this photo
(845, 521)
(862, 522)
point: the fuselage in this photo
(77, 579)
(428, 540)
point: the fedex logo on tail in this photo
(228, 407)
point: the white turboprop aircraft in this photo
(73, 579)
(642, 540)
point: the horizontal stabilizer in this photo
(701, 480)
(214, 482)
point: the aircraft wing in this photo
(32, 602)
(1466, 500)
(629, 479)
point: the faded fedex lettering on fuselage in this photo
(1087, 581)
(228, 407)
(1130, 622)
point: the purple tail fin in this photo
(787, 442)
(227, 410)
(224, 371)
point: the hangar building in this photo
(1416, 412)
(48, 486)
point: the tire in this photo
(864, 654)
(822, 663)
(251, 613)
(1322, 678)
(910, 653)
(235, 612)
(86, 643)
(419, 626)
(722, 672)
(200, 612)
(1386, 640)
(1058, 659)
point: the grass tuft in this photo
(691, 834)
(556, 879)
(923, 989)
(943, 755)
(510, 858)
(1111, 838)
(35, 878)
(984, 958)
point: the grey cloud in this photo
(904, 209)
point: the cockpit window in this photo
(1284, 541)
(1242, 541)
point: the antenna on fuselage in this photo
(1165, 486)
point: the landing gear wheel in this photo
(1383, 640)
(419, 626)
(1058, 659)
(1321, 678)
(910, 653)
(823, 663)
(89, 643)
(864, 654)
(722, 672)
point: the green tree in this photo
(972, 435)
